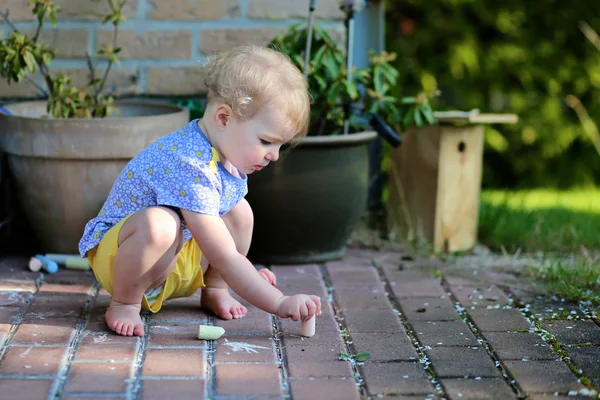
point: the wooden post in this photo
(435, 181)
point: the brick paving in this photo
(430, 336)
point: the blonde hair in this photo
(249, 77)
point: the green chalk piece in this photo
(210, 332)
(77, 263)
(60, 258)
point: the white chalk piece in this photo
(35, 264)
(47, 265)
(77, 262)
(207, 332)
(60, 258)
(308, 327)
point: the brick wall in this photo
(164, 41)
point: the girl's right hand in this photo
(299, 307)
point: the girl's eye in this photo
(266, 143)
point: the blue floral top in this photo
(181, 170)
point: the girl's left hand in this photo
(268, 276)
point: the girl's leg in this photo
(149, 242)
(216, 296)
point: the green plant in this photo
(22, 55)
(369, 90)
(360, 357)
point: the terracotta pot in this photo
(64, 168)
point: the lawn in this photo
(563, 227)
(540, 220)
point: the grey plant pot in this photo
(307, 204)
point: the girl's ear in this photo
(223, 115)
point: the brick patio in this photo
(428, 337)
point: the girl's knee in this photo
(240, 219)
(158, 227)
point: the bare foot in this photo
(124, 319)
(219, 301)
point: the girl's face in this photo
(251, 145)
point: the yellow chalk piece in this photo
(207, 332)
(77, 262)
(307, 328)
(35, 264)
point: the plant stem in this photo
(110, 62)
(92, 74)
(34, 83)
(5, 17)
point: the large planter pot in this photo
(64, 168)
(307, 204)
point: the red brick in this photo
(46, 305)
(454, 362)
(353, 277)
(366, 300)
(245, 349)
(182, 309)
(7, 316)
(543, 376)
(500, 320)
(71, 277)
(33, 360)
(166, 389)
(399, 377)
(247, 380)
(316, 361)
(99, 397)
(174, 362)
(174, 334)
(444, 333)
(49, 332)
(13, 388)
(428, 309)
(472, 389)
(519, 345)
(574, 332)
(385, 346)
(105, 352)
(480, 296)
(108, 339)
(14, 298)
(586, 358)
(18, 285)
(296, 286)
(64, 288)
(99, 377)
(256, 322)
(383, 321)
(336, 389)
(96, 322)
(321, 340)
(413, 284)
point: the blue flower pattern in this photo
(182, 170)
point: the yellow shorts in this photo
(185, 279)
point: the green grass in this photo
(540, 220)
(563, 226)
(576, 278)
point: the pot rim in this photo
(336, 140)
(170, 109)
